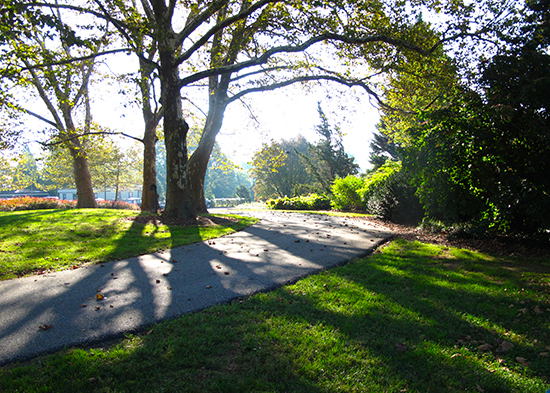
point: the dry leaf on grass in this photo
(522, 361)
(401, 347)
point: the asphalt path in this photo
(45, 313)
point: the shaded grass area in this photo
(411, 318)
(42, 240)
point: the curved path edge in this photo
(43, 314)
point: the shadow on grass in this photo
(389, 323)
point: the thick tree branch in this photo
(220, 26)
(309, 78)
(194, 21)
(52, 123)
(263, 59)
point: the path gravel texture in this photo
(45, 313)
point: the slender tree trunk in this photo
(198, 163)
(151, 116)
(149, 198)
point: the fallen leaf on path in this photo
(99, 296)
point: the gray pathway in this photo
(45, 313)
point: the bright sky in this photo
(281, 114)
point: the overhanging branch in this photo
(47, 144)
(74, 59)
(310, 78)
(263, 59)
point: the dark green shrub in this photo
(389, 195)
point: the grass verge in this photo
(411, 318)
(42, 240)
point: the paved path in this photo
(45, 313)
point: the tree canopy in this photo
(237, 47)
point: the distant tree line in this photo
(297, 167)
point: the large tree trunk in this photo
(198, 163)
(179, 200)
(83, 179)
(149, 198)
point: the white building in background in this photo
(108, 195)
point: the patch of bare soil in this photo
(202, 221)
(504, 246)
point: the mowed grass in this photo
(42, 240)
(410, 318)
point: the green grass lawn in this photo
(39, 240)
(410, 318)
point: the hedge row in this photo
(310, 202)
(385, 192)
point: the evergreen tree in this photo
(327, 158)
(382, 149)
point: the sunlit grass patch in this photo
(42, 240)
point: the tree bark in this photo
(151, 117)
(149, 198)
(198, 163)
(179, 199)
(83, 179)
